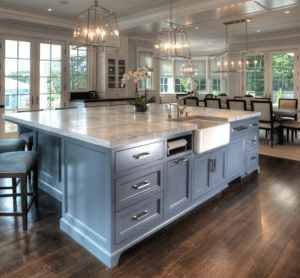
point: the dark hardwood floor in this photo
(251, 230)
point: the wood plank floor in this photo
(251, 230)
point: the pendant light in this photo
(171, 43)
(97, 29)
(229, 60)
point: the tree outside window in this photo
(164, 84)
(180, 85)
(216, 85)
(255, 79)
(79, 73)
(201, 85)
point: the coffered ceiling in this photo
(202, 20)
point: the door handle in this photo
(211, 165)
(145, 213)
(254, 124)
(178, 161)
(252, 141)
(37, 100)
(253, 157)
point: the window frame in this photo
(152, 81)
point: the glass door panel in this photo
(50, 76)
(283, 76)
(17, 80)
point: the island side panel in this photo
(86, 205)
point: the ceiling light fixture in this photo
(287, 12)
(96, 29)
(50, 10)
(171, 43)
(229, 62)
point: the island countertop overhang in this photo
(113, 127)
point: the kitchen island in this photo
(117, 183)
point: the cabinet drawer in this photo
(135, 157)
(138, 217)
(252, 158)
(239, 128)
(138, 186)
(252, 140)
(253, 124)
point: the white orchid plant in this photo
(138, 75)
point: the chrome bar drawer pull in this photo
(253, 157)
(211, 165)
(142, 155)
(239, 128)
(141, 186)
(145, 213)
(252, 141)
(254, 124)
(178, 161)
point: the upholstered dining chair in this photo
(289, 104)
(19, 165)
(235, 104)
(212, 103)
(27, 133)
(266, 120)
(191, 101)
(209, 96)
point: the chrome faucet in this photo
(179, 110)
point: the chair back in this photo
(212, 103)
(265, 108)
(191, 101)
(65, 108)
(262, 99)
(235, 104)
(209, 96)
(238, 97)
(288, 103)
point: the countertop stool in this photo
(19, 165)
(12, 145)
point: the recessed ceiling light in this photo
(258, 31)
(50, 10)
(197, 28)
(287, 12)
(64, 2)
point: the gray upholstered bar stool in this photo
(19, 165)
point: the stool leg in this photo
(14, 186)
(24, 200)
(30, 146)
(287, 134)
(35, 184)
(292, 131)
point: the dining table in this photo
(281, 110)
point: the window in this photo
(79, 73)
(200, 76)
(145, 60)
(215, 77)
(180, 85)
(255, 78)
(283, 76)
(201, 88)
(166, 84)
(216, 85)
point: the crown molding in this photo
(27, 14)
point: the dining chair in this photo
(209, 96)
(266, 120)
(27, 133)
(289, 104)
(65, 108)
(19, 165)
(236, 104)
(212, 103)
(191, 101)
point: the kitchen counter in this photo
(112, 127)
(100, 99)
(118, 183)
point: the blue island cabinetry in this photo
(114, 198)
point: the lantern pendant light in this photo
(171, 43)
(97, 29)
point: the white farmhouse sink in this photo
(210, 135)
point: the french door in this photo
(31, 77)
(282, 81)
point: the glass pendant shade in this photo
(189, 69)
(171, 44)
(97, 28)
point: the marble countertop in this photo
(116, 126)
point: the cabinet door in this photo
(178, 183)
(219, 174)
(201, 175)
(237, 160)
